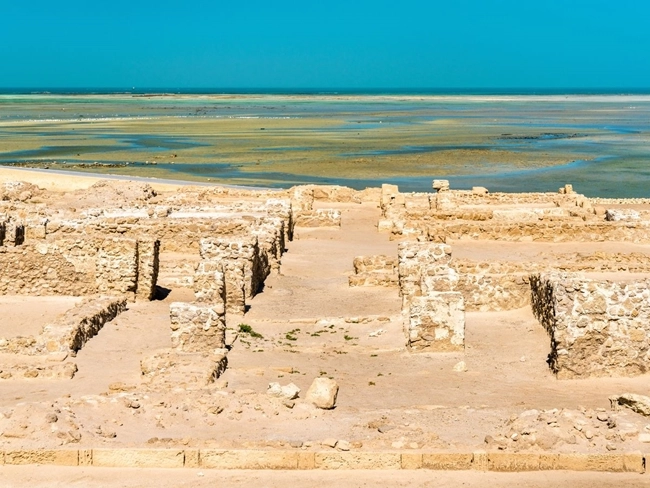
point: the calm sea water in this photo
(610, 131)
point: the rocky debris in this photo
(288, 392)
(116, 192)
(479, 190)
(553, 429)
(638, 403)
(323, 393)
(617, 215)
(19, 191)
(460, 367)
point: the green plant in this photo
(247, 329)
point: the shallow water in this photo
(518, 143)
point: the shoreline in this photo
(72, 180)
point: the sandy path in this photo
(53, 477)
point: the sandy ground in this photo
(24, 315)
(312, 324)
(53, 477)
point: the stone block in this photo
(513, 462)
(358, 460)
(437, 322)
(138, 458)
(444, 461)
(57, 457)
(249, 459)
(411, 460)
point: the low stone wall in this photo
(481, 292)
(69, 333)
(374, 271)
(197, 328)
(296, 459)
(319, 218)
(597, 328)
(542, 231)
(171, 368)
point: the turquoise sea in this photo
(608, 134)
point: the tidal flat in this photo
(601, 144)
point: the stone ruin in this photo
(228, 241)
(596, 327)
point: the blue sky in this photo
(335, 44)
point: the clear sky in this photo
(329, 44)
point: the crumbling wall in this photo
(376, 270)
(542, 231)
(69, 333)
(319, 218)
(597, 328)
(244, 250)
(148, 267)
(437, 322)
(80, 266)
(197, 327)
(413, 259)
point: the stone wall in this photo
(319, 218)
(542, 231)
(244, 250)
(374, 271)
(196, 327)
(413, 259)
(80, 267)
(597, 328)
(437, 322)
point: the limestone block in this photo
(358, 460)
(323, 393)
(250, 459)
(411, 460)
(139, 458)
(443, 461)
(238, 252)
(437, 322)
(58, 457)
(414, 258)
(197, 328)
(302, 198)
(637, 403)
